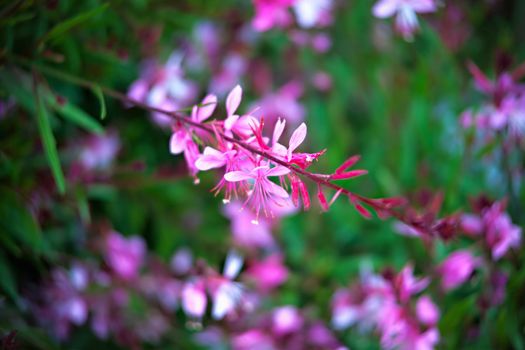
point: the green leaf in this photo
(75, 115)
(48, 141)
(63, 27)
(7, 279)
(16, 222)
(98, 92)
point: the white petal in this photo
(385, 8)
(225, 299)
(206, 110)
(232, 265)
(278, 130)
(235, 176)
(297, 138)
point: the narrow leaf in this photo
(65, 26)
(98, 92)
(48, 141)
(76, 115)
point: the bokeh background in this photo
(359, 87)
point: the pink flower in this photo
(405, 11)
(125, 256)
(284, 103)
(501, 234)
(262, 190)
(194, 299)
(245, 233)
(407, 285)
(271, 13)
(457, 269)
(268, 273)
(427, 312)
(286, 319)
(182, 138)
(99, 151)
(240, 125)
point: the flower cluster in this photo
(250, 159)
(285, 327)
(505, 112)
(105, 292)
(387, 303)
(405, 12)
(275, 13)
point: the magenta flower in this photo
(125, 256)
(407, 285)
(271, 13)
(194, 298)
(262, 190)
(269, 273)
(286, 320)
(244, 232)
(427, 312)
(501, 234)
(457, 269)
(405, 11)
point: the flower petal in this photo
(297, 138)
(278, 130)
(278, 171)
(232, 265)
(206, 109)
(276, 190)
(233, 100)
(225, 299)
(235, 176)
(211, 158)
(385, 8)
(178, 142)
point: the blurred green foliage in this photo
(396, 106)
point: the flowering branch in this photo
(384, 207)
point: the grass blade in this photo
(65, 26)
(75, 115)
(48, 141)
(98, 92)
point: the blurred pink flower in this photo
(405, 11)
(407, 285)
(501, 234)
(283, 103)
(163, 87)
(457, 269)
(194, 299)
(245, 233)
(99, 151)
(311, 13)
(124, 256)
(268, 273)
(286, 319)
(427, 312)
(271, 13)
